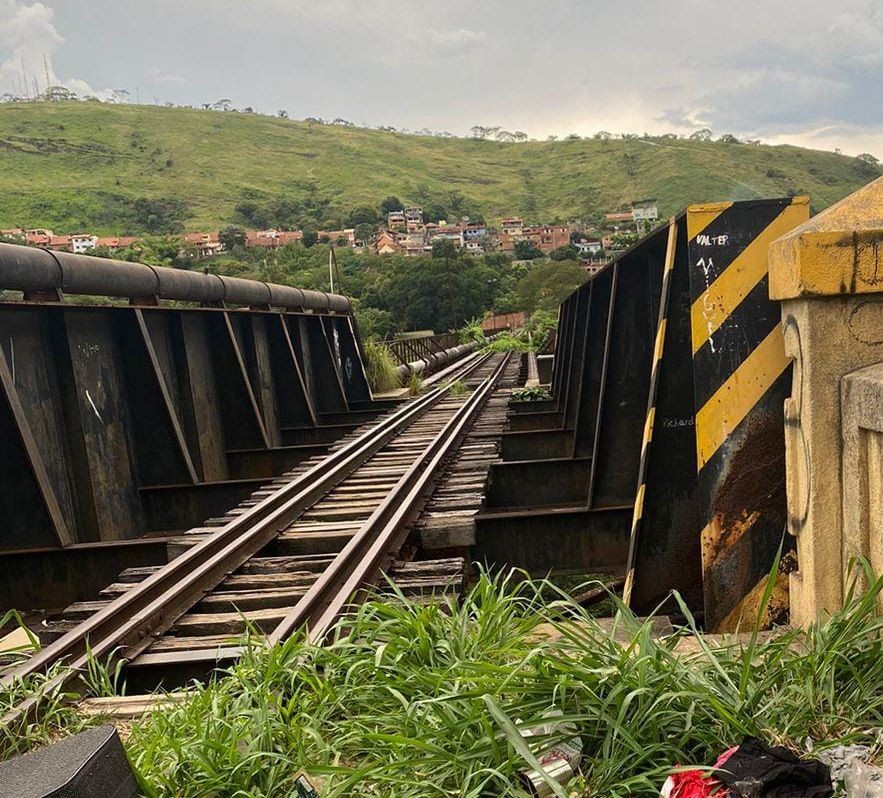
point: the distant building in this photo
(592, 266)
(588, 246)
(15, 233)
(116, 242)
(396, 220)
(512, 227)
(474, 231)
(340, 238)
(272, 239)
(204, 244)
(442, 231)
(496, 322)
(645, 210)
(412, 243)
(413, 219)
(83, 242)
(607, 240)
(61, 243)
(385, 243)
(39, 237)
(548, 238)
(620, 216)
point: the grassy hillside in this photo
(107, 168)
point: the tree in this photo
(223, 104)
(157, 251)
(519, 135)
(389, 204)
(524, 250)
(444, 248)
(58, 94)
(623, 240)
(547, 284)
(603, 135)
(704, 134)
(282, 113)
(364, 232)
(363, 214)
(374, 323)
(232, 236)
(729, 138)
(866, 157)
(568, 252)
(311, 237)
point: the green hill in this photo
(117, 169)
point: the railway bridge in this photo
(186, 456)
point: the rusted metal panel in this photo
(741, 380)
(710, 512)
(664, 544)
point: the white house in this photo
(83, 242)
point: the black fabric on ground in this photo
(776, 773)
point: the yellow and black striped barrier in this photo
(709, 510)
(741, 378)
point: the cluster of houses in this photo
(199, 245)
(405, 232)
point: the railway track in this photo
(299, 550)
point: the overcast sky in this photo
(808, 72)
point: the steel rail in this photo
(358, 564)
(130, 623)
(360, 561)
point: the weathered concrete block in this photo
(830, 281)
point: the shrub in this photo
(533, 394)
(380, 367)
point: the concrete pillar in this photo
(828, 274)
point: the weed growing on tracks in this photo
(415, 385)
(420, 700)
(458, 388)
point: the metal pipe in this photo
(34, 270)
(432, 363)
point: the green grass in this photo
(420, 700)
(415, 384)
(458, 388)
(82, 165)
(380, 367)
(533, 394)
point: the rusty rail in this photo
(129, 624)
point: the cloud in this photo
(793, 70)
(452, 42)
(158, 76)
(811, 81)
(28, 37)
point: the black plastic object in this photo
(86, 765)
